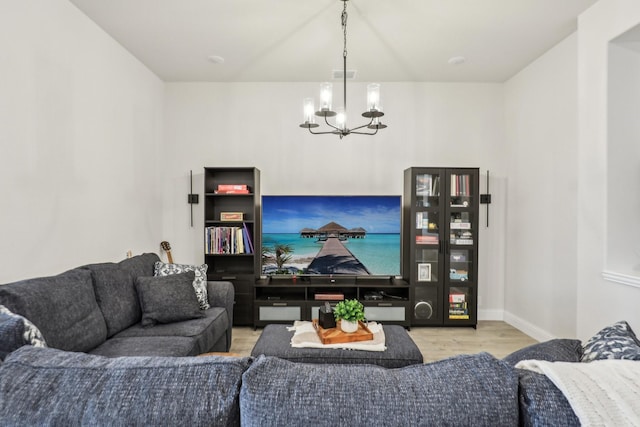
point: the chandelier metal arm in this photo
(363, 126)
(330, 125)
(324, 132)
(364, 133)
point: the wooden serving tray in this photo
(335, 335)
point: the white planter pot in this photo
(348, 327)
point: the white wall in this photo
(541, 134)
(600, 302)
(80, 124)
(256, 124)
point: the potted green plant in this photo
(349, 312)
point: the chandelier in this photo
(373, 111)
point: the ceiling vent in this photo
(337, 74)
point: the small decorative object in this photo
(231, 216)
(325, 316)
(349, 313)
(424, 272)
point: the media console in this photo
(288, 298)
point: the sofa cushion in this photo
(206, 331)
(542, 403)
(474, 390)
(556, 350)
(612, 342)
(167, 299)
(50, 387)
(16, 331)
(148, 346)
(140, 265)
(116, 296)
(199, 282)
(63, 307)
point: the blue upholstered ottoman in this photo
(275, 340)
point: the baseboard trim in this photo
(491, 315)
(528, 328)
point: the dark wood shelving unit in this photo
(242, 269)
(287, 299)
(440, 244)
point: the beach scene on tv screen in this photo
(352, 235)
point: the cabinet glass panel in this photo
(427, 231)
(460, 228)
(427, 190)
(461, 190)
(427, 265)
(459, 302)
(279, 313)
(460, 265)
(391, 314)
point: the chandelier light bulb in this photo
(373, 97)
(341, 120)
(309, 110)
(326, 96)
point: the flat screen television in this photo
(331, 235)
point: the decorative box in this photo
(325, 317)
(231, 216)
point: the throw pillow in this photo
(556, 350)
(613, 342)
(168, 299)
(16, 331)
(199, 283)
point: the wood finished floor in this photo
(435, 343)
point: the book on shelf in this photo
(459, 316)
(457, 298)
(247, 237)
(460, 185)
(463, 242)
(460, 305)
(462, 237)
(460, 225)
(422, 220)
(329, 296)
(427, 239)
(427, 185)
(227, 240)
(231, 192)
(232, 187)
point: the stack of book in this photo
(427, 239)
(458, 308)
(232, 189)
(329, 296)
(228, 240)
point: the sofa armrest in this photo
(222, 294)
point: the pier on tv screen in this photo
(331, 235)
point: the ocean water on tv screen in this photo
(380, 253)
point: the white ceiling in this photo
(301, 40)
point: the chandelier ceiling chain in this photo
(373, 112)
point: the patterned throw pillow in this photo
(613, 342)
(16, 331)
(199, 284)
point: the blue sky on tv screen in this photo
(290, 214)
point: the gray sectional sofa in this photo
(97, 309)
(73, 383)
